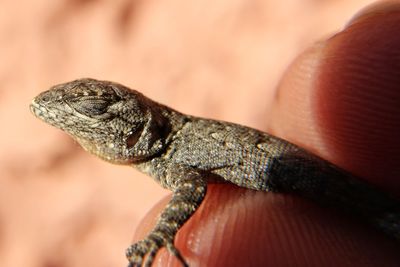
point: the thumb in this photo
(341, 98)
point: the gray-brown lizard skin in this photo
(184, 153)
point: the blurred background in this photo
(60, 206)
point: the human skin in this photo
(340, 100)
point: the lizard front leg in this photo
(189, 189)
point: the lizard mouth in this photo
(37, 110)
(40, 111)
(45, 114)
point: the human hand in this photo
(339, 99)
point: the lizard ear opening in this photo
(134, 137)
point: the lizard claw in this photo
(143, 252)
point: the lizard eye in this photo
(90, 107)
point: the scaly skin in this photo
(184, 153)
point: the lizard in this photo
(184, 153)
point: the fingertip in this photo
(341, 98)
(221, 232)
(380, 8)
(239, 227)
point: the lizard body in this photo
(184, 153)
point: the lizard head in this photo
(109, 120)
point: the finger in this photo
(242, 227)
(239, 227)
(341, 98)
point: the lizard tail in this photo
(390, 224)
(311, 177)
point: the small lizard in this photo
(184, 153)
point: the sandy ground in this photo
(60, 206)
